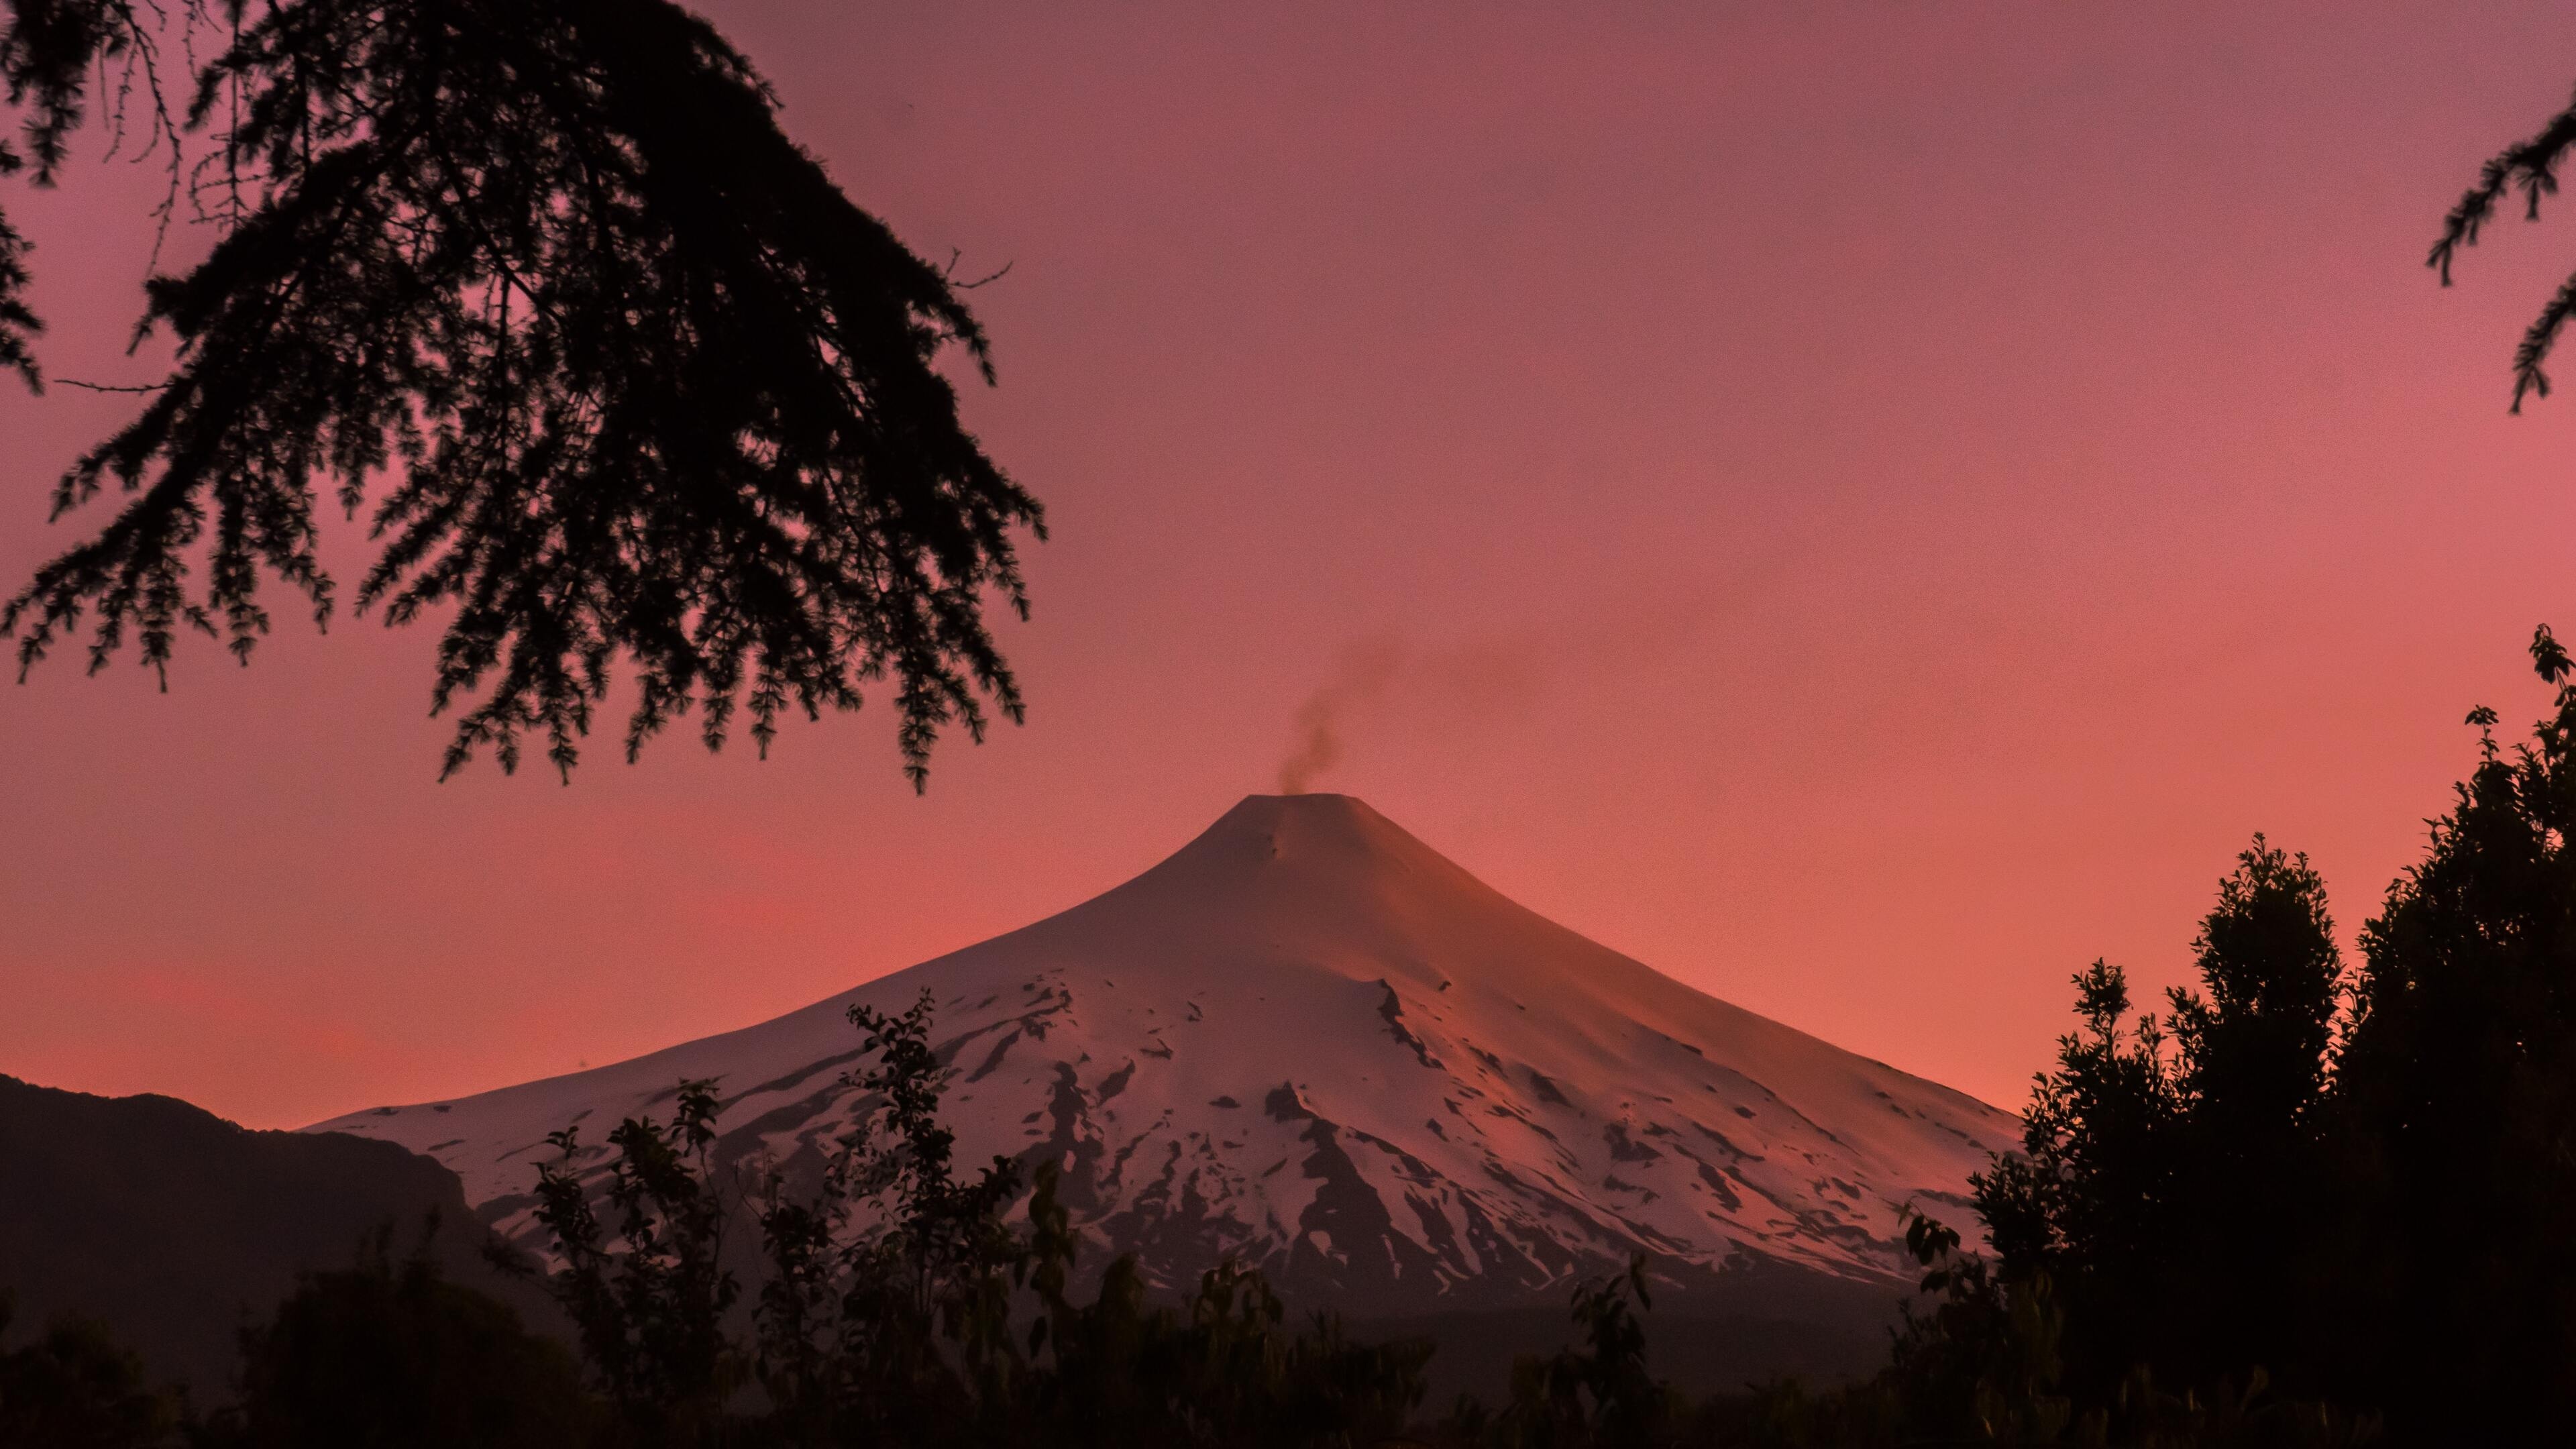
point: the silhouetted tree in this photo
(2091, 1199)
(1596, 1394)
(2252, 1060)
(886, 1309)
(391, 1356)
(2380, 1218)
(2459, 1082)
(614, 368)
(2169, 1175)
(72, 1387)
(649, 1295)
(1223, 1371)
(1980, 1356)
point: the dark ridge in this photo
(169, 1224)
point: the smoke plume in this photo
(1471, 680)
(1359, 677)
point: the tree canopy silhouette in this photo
(2167, 1182)
(2529, 167)
(612, 367)
(2351, 1181)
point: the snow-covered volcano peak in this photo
(1308, 1040)
(1320, 823)
(1317, 880)
(1300, 854)
(1312, 846)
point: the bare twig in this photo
(111, 387)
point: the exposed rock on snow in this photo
(1313, 1043)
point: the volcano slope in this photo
(1311, 1043)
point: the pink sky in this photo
(1863, 508)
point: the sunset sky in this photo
(1863, 508)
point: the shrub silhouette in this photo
(73, 1387)
(389, 1355)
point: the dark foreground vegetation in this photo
(2310, 1203)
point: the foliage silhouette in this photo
(899, 1306)
(2348, 1183)
(2458, 1089)
(72, 1387)
(389, 1355)
(894, 1253)
(614, 368)
(2168, 1179)
(2529, 167)
(649, 1303)
(1597, 1392)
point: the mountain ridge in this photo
(174, 1226)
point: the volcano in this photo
(1311, 1043)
